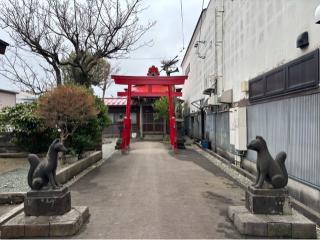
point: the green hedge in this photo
(29, 134)
(25, 128)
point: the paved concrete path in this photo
(152, 193)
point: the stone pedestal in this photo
(268, 201)
(47, 213)
(47, 202)
(68, 224)
(271, 226)
(120, 128)
(180, 139)
(268, 213)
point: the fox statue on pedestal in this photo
(42, 172)
(272, 171)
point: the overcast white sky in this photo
(166, 36)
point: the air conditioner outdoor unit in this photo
(244, 86)
(213, 100)
(210, 85)
(211, 81)
(226, 96)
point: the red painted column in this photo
(126, 132)
(172, 122)
(128, 113)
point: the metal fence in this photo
(291, 125)
(192, 124)
(197, 126)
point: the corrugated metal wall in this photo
(217, 129)
(210, 128)
(291, 125)
(197, 126)
(188, 126)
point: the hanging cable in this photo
(182, 29)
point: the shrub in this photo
(161, 107)
(67, 108)
(27, 130)
(89, 135)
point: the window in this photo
(299, 74)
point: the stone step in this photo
(153, 137)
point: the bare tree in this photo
(55, 28)
(169, 65)
(30, 77)
(107, 82)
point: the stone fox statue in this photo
(42, 172)
(273, 171)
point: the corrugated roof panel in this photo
(115, 101)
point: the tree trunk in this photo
(104, 88)
(58, 75)
(61, 155)
(164, 126)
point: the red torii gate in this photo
(164, 87)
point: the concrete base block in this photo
(22, 226)
(278, 226)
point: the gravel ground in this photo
(14, 181)
(13, 172)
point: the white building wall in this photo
(261, 35)
(258, 35)
(7, 99)
(198, 63)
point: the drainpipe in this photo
(202, 124)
